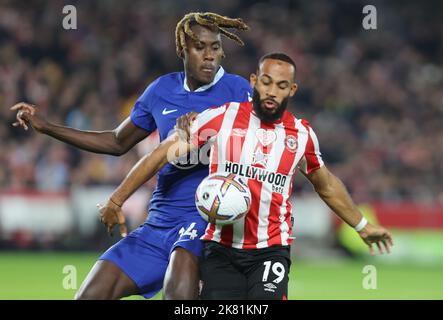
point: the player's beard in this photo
(263, 113)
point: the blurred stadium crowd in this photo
(374, 97)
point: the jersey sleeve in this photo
(311, 159)
(141, 114)
(207, 125)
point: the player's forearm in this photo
(94, 141)
(145, 169)
(338, 199)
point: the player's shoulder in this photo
(305, 125)
(216, 110)
(244, 107)
(234, 87)
(290, 121)
(160, 86)
(168, 80)
(235, 78)
(236, 82)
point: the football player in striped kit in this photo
(264, 143)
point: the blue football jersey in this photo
(163, 101)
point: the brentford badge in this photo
(291, 143)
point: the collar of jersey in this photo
(217, 77)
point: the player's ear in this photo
(294, 88)
(253, 79)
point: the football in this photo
(223, 198)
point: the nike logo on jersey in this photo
(165, 112)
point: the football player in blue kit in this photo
(164, 251)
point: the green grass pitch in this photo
(40, 276)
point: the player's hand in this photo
(27, 115)
(183, 125)
(112, 214)
(377, 235)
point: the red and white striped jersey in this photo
(267, 155)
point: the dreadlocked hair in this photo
(207, 19)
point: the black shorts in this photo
(229, 273)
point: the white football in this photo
(223, 198)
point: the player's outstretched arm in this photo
(114, 142)
(334, 194)
(169, 150)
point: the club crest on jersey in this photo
(266, 137)
(291, 143)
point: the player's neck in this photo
(194, 84)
